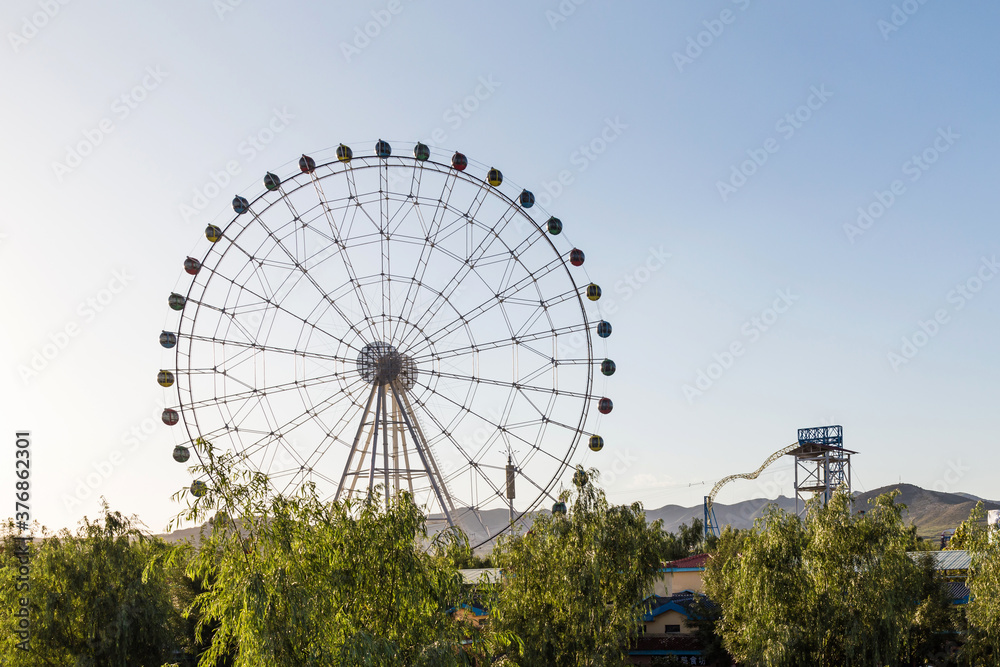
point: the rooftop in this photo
(946, 560)
(480, 575)
(697, 561)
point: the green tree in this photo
(574, 583)
(982, 644)
(673, 547)
(92, 603)
(688, 540)
(692, 537)
(298, 581)
(835, 589)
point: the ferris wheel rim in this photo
(384, 165)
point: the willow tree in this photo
(296, 581)
(982, 644)
(836, 588)
(573, 585)
(91, 599)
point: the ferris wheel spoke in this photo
(483, 419)
(265, 391)
(208, 435)
(495, 344)
(299, 420)
(418, 172)
(384, 246)
(544, 491)
(265, 302)
(477, 467)
(431, 230)
(546, 358)
(542, 414)
(295, 477)
(512, 385)
(297, 223)
(271, 348)
(506, 295)
(306, 274)
(356, 207)
(341, 246)
(571, 429)
(543, 369)
(473, 256)
(283, 446)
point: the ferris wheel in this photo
(382, 323)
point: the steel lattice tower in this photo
(822, 465)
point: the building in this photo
(685, 574)
(951, 567)
(668, 628)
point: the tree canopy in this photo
(301, 582)
(574, 583)
(92, 603)
(836, 588)
(982, 644)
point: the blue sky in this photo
(713, 156)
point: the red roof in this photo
(696, 561)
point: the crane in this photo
(711, 526)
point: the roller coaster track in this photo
(711, 527)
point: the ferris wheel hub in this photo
(381, 363)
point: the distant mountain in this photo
(931, 511)
(977, 498)
(738, 515)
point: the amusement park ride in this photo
(378, 323)
(822, 465)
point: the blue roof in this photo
(679, 602)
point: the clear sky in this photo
(790, 207)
